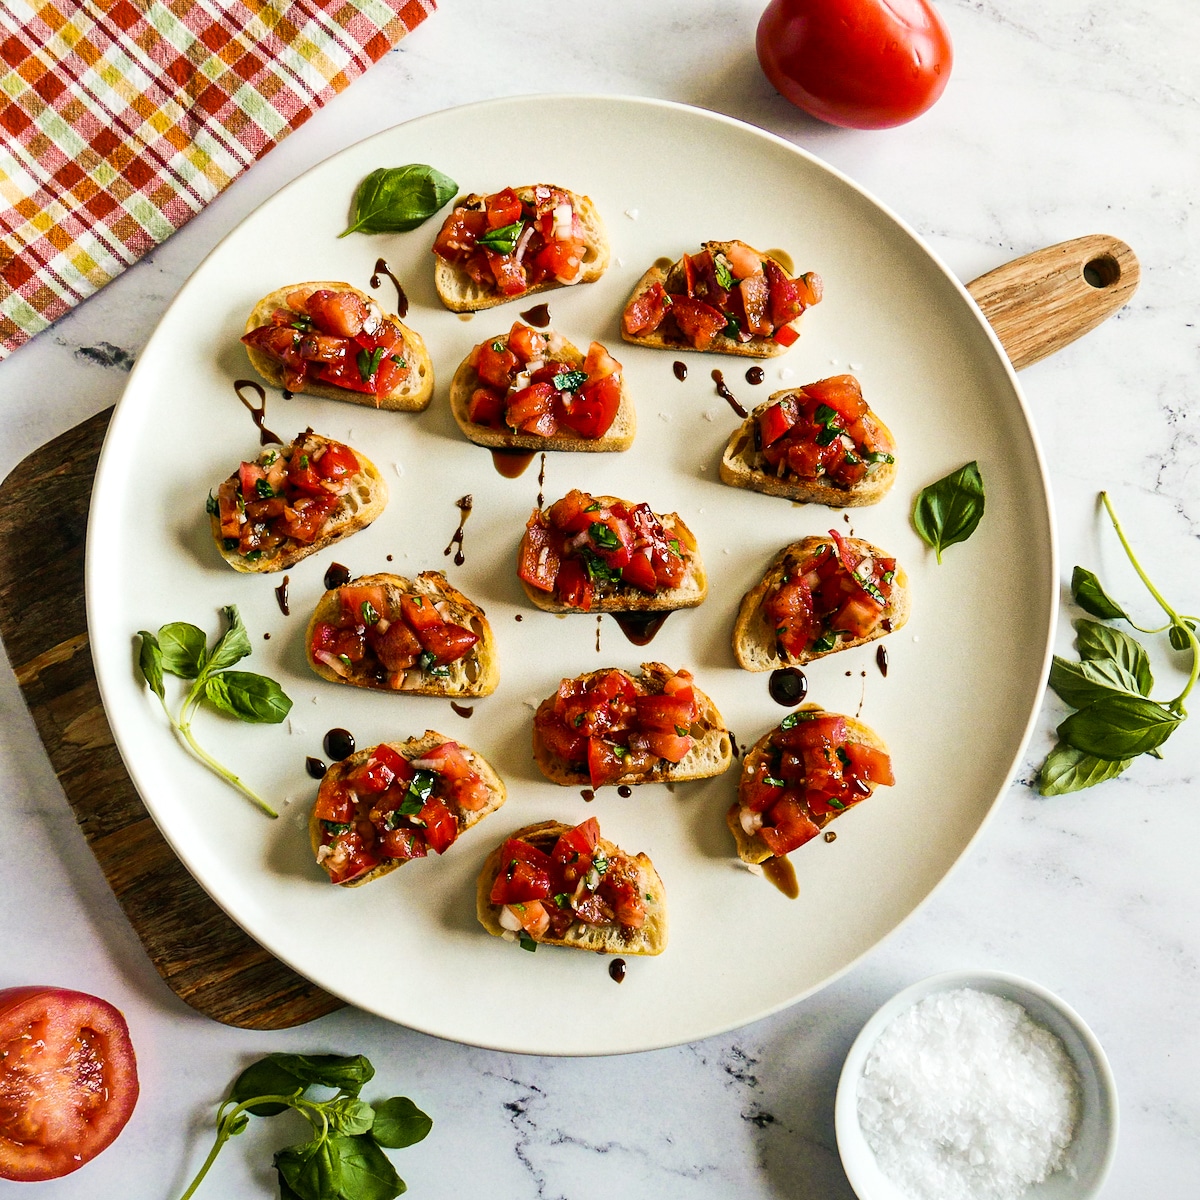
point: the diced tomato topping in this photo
(577, 842)
(671, 746)
(574, 513)
(842, 393)
(403, 843)
(663, 712)
(563, 260)
(508, 273)
(503, 208)
(447, 642)
(526, 344)
(448, 760)
(495, 364)
(340, 314)
(572, 585)
(307, 519)
(787, 335)
(335, 804)
(358, 602)
(486, 407)
(870, 764)
(791, 826)
(592, 410)
(531, 410)
(441, 826)
(519, 881)
(599, 364)
(606, 761)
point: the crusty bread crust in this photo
(756, 348)
(628, 598)
(742, 466)
(413, 395)
(412, 749)
(711, 755)
(606, 939)
(754, 643)
(460, 293)
(475, 674)
(365, 499)
(466, 380)
(750, 847)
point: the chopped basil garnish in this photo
(570, 381)
(598, 570)
(599, 861)
(789, 721)
(604, 537)
(826, 641)
(770, 780)
(335, 827)
(621, 752)
(674, 544)
(527, 943)
(834, 803)
(593, 507)
(211, 506)
(562, 899)
(304, 462)
(888, 576)
(253, 556)
(732, 328)
(503, 240)
(369, 615)
(875, 456)
(497, 347)
(344, 657)
(264, 489)
(420, 788)
(843, 757)
(681, 731)
(400, 362)
(723, 273)
(229, 543)
(368, 364)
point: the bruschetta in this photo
(515, 242)
(612, 727)
(554, 885)
(293, 501)
(819, 595)
(796, 779)
(528, 390)
(599, 554)
(397, 801)
(819, 444)
(419, 637)
(728, 299)
(331, 340)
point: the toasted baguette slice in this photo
(651, 938)
(754, 642)
(671, 279)
(412, 749)
(411, 395)
(710, 755)
(466, 380)
(625, 598)
(743, 466)
(475, 674)
(460, 293)
(365, 498)
(750, 846)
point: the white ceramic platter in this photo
(956, 706)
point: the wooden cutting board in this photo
(1036, 304)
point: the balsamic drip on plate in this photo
(616, 970)
(788, 686)
(381, 268)
(640, 627)
(726, 395)
(339, 744)
(281, 597)
(257, 411)
(335, 576)
(538, 315)
(315, 767)
(783, 875)
(511, 463)
(680, 369)
(464, 509)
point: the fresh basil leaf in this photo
(313, 1171)
(503, 240)
(366, 1172)
(1083, 683)
(349, 1074)
(603, 536)
(247, 696)
(150, 663)
(350, 1115)
(267, 1077)
(1092, 598)
(399, 1122)
(1069, 770)
(396, 199)
(368, 364)
(234, 644)
(183, 648)
(285, 1192)
(949, 511)
(1119, 727)
(570, 381)
(723, 273)
(1179, 639)
(1097, 642)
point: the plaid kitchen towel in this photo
(121, 119)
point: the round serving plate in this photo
(965, 675)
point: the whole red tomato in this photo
(68, 1080)
(866, 64)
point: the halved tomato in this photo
(68, 1080)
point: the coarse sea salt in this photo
(966, 1097)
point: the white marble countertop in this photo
(1058, 120)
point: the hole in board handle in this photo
(1102, 272)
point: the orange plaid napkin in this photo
(121, 119)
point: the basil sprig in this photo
(949, 511)
(396, 199)
(344, 1158)
(1109, 687)
(182, 650)
(503, 240)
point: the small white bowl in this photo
(1095, 1142)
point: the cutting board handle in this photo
(1043, 301)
